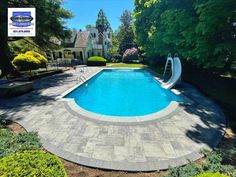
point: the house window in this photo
(94, 35)
(109, 35)
(105, 43)
(99, 54)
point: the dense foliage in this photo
(26, 62)
(211, 175)
(32, 163)
(212, 164)
(200, 31)
(116, 58)
(50, 23)
(125, 33)
(96, 61)
(30, 60)
(41, 58)
(114, 48)
(10, 143)
(102, 23)
(130, 55)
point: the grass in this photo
(126, 65)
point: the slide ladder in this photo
(176, 72)
(168, 67)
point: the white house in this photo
(85, 44)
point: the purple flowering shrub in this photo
(130, 55)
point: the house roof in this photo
(82, 38)
(70, 42)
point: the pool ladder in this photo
(81, 79)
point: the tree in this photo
(50, 16)
(89, 27)
(198, 30)
(114, 49)
(102, 24)
(125, 32)
(217, 46)
(5, 64)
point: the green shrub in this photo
(96, 61)
(116, 58)
(41, 58)
(130, 55)
(10, 143)
(26, 62)
(187, 171)
(31, 164)
(3, 123)
(211, 175)
(212, 164)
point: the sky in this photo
(86, 11)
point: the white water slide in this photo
(175, 69)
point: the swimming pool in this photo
(122, 92)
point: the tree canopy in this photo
(50, 23)
(102, 22)
(125, 33)
(199, 30)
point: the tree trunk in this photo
(5, 63)
(228, 64)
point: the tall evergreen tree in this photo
(49, 24)
(102, 24)
(126, 33)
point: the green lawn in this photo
(129, 65)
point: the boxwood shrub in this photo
(211, 175)
(32, 163)
(96, 61)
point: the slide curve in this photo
(176, 74)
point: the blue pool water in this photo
(122, 92)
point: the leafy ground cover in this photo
(21, 154)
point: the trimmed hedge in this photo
(211, 175)
(41, 58)
(32, 163)
(26, 62)
(96, 61)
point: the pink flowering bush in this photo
(130, 55)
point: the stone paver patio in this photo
(145, 146)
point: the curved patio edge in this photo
(196, 126)
(149, 166)
(118, 166)
(76, 110)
